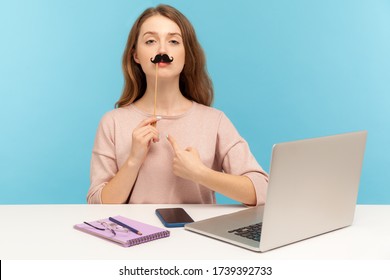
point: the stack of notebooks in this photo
(122, 230)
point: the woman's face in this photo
(160, 35)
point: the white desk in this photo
(46, 232)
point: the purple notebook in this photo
(112, 231)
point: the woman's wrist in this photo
(132, 164)
(202, 175)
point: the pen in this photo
(125, 226)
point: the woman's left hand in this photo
(186, 163)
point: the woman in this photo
(180, 150)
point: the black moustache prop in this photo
(161, 58)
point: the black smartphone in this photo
(173, 217)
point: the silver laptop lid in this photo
(313, 187)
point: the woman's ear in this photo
(135, 57)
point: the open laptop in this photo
(313, 188)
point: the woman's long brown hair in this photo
(194, 82)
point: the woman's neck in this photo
(170, 101)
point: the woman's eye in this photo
(149, 42)
(174, 42)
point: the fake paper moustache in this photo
(161, 58)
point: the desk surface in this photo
(46, 232)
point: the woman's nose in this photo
(162, 48)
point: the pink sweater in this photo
(204, 128)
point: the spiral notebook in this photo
(107, 229)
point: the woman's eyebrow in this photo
(156, 33)
(149, 33)
(174, 34)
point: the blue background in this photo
(282, 71)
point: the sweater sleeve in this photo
(236, 158)
(103, 161)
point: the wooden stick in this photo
(155, 94)
(155, 90)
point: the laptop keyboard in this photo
(252, 231)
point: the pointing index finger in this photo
(173, 143)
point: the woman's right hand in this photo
(143, 135)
